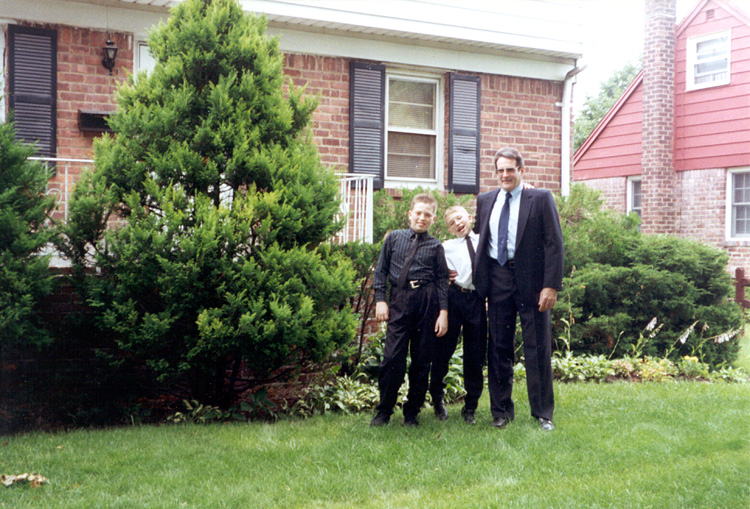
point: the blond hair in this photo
(453, 208)
(424, 198)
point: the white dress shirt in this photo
(515, 205)
(457, 258)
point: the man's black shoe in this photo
(468, 416)
(546, 424)
(501, 422)
(380, 419)
(411, 422)
(440, 411)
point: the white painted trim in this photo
(691, 47)
(729, 203)
(86, 15)
(419, 56)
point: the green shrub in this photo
(618, 280)
(25, 211)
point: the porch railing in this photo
(355, 190)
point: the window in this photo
(738, 206)
(396, 124)
(32, 86)
(634, 195)
(146, 61)
(412, 134)
(708, 60)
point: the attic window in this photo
(708, 60)
(710, 14)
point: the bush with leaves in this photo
(220, 264)
(618, 280)
(25, 211)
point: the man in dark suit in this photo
(519, 268)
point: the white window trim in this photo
(411, 183)
(692, 44)
(138, 44)
(729, 203)
(629, 193)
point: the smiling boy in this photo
(466, 311)
(417, 312)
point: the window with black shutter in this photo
(464, 133)
(32, 76)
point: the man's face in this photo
(421, 217)
(459, 223)
(508, 174)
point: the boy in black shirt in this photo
(414, 263)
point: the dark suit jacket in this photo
(539, 244)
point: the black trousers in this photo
(466, 311)
(411, 329)
(503, 307)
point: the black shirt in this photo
(428, 264)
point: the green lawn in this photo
(677, 444)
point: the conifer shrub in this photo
(216, 270)
(25, 230)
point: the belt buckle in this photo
(415, 284)
(511, 264)
(465, 290)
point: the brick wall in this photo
(659, 179)
(614, 191)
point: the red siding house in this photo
(675, 148)
(414, 93)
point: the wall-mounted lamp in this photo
(110, 53)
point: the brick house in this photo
(675, 148)
(410, 93)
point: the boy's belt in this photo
(416, 283)
(461, 288)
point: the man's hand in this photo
(547, 299)
(441, 326)
(381, 311)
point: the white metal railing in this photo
(62, 178)
(356, 206)
(355, 192)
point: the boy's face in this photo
(421, 217)
(459, 223)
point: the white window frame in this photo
(143, 64)
(692, 60)
(410, 183)
(629, 199)
(730, 203)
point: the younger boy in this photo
(414, 263)
(465, 309)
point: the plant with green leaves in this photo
(25, 230)
(219, 272)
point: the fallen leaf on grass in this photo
(35, 480)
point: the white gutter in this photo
(565, 153)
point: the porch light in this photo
(110, 53)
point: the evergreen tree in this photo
(25, 211)
(595, 108)
(221, 260)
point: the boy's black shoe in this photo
(381, 419)
(411, 421)
(440, 412)
(468, 416)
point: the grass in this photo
(677, 444)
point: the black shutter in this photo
(464, 134)
(32, 62)
(367, 120)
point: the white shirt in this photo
(457, 258)
(515, 206)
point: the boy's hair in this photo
(424, 198)
(453, 208)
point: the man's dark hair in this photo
(510, 153)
